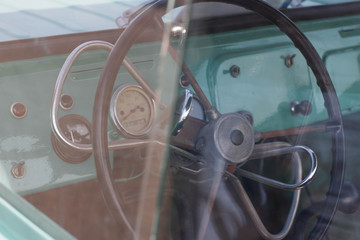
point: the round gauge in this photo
(132, 110)
(78, 130)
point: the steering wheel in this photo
(333, 125)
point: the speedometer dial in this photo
(132, 110)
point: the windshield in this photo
(303, 3)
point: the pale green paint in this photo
(20, 220)
(266, 87)
(32, 82)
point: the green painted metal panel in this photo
(20, 220)
(260, 53)
(32, 82)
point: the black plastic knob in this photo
(237, 137)
(349, 199)
(303, 108)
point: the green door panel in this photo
(20, 220)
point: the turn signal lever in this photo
(349, 198)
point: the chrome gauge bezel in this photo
(115, 117)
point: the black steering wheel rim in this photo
(117, 55)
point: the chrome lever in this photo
(281, 150)
(184, 112)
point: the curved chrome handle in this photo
(92, 45)
(281, 151)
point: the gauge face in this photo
(78, 130)
(132, 110)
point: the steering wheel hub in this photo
(230, 137)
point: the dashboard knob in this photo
(303, 108)
(349, 199)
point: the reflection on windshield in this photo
(31, 19)
(303, 3)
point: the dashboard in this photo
(263, 73)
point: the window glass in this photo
(40, 18)
(205, 121)
(304, 3)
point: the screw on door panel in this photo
(18, 171)
(235, 71)
(289, 60)
(18, 110)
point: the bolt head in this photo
(200, 144)
(235, 71)
(19, 171)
